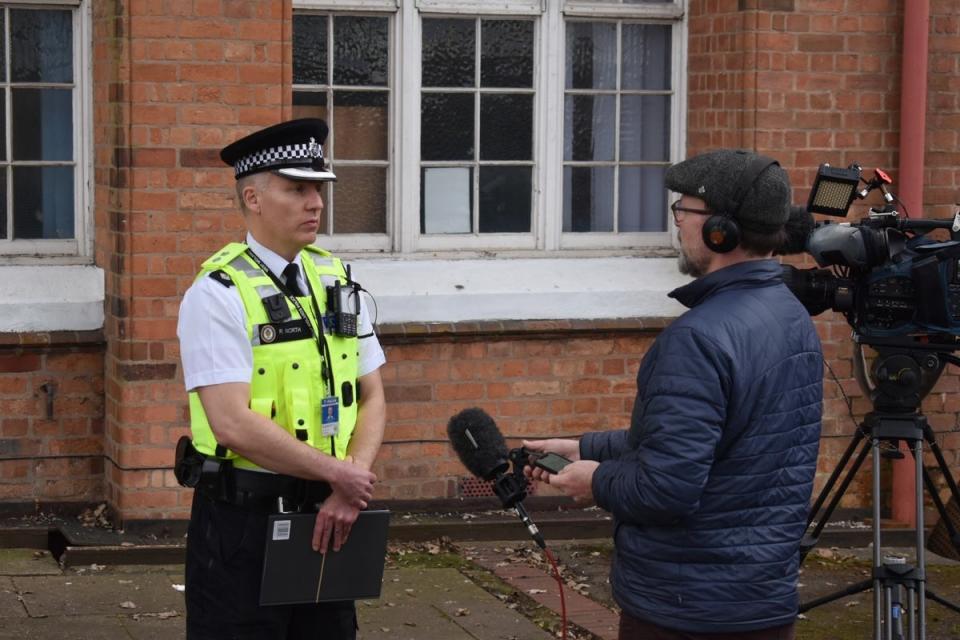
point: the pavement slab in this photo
(428, 604)
(107, 595)
(10, 605)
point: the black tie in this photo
(290, 273)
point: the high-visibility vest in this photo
(287, 384)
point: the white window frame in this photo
(79, 249)
(403, 182)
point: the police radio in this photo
(343, 307)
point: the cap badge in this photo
(701, 189)
(314, 149)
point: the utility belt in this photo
(219, 480)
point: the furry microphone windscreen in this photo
(478, 443)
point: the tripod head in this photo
(899, 377)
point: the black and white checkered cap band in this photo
(290, 155)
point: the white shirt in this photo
(212, 327)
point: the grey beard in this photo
(687, 266)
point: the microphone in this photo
(483, 451)
(799, 226)
(478, 443)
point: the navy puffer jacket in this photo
(710, 485)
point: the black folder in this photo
(293, 573)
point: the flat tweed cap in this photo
(719, 179)
(293, 149)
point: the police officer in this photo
(286, 400)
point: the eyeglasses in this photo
(675, 208)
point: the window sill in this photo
(484, 290)
(51, 298)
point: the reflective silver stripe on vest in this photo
(321, 261)
(243, 265)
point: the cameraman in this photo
(709, 487)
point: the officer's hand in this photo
(354, 483)
(333, 523)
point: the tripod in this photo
(903, 377)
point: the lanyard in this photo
(317, 334)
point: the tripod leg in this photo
(810, 540)
(852, 589)
(837, 470)
(951, 483)
(939, 600)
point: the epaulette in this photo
(221, 276)
(316, 249)
(225, 256)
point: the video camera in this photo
(895, 285)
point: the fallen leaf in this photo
(128, 605)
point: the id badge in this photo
(330, 416)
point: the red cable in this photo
(563, 602)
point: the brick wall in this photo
(814, 81)
(537, 382)
(174, 82)
(51, 417)
(807, 81)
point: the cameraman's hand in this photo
(333, 523)
(569, 449)
(353, 483)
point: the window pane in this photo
(360, 51)
(588, 127)
(646, 56)
(588, 198)
(445, 203)
(506, 127)
(645, 128)
(3, 122)
(3, 204)
(591, 55)
(43, 126)
(308, 104)
(506, 57)
(360, 125)
(43, 202)
(360, 204)
(446, 126)
(41, 46)
(3, 47)
(505, 194)
(643, 199)
(309, 49)
(449, 52)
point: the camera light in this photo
(833, 190)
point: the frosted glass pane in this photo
(506, 127)
(310, 105)
(41, 46)
(506, 57)
(591, 60)
(588, 199)
(505, 194)
(309, 49)
(449, 52)
(588, 127)
(360, 51)
(360, 124)
(446, 126)
(645, 128)
(643, 199)
(360, 200)
(646, 56)
(445, 206)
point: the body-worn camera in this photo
(892, 281)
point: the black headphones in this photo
(721, 233)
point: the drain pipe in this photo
(913, 125)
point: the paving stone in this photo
(28, 562)
(73, 595)
(10, 605)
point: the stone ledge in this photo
(403, 331)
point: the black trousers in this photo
(225, 548)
